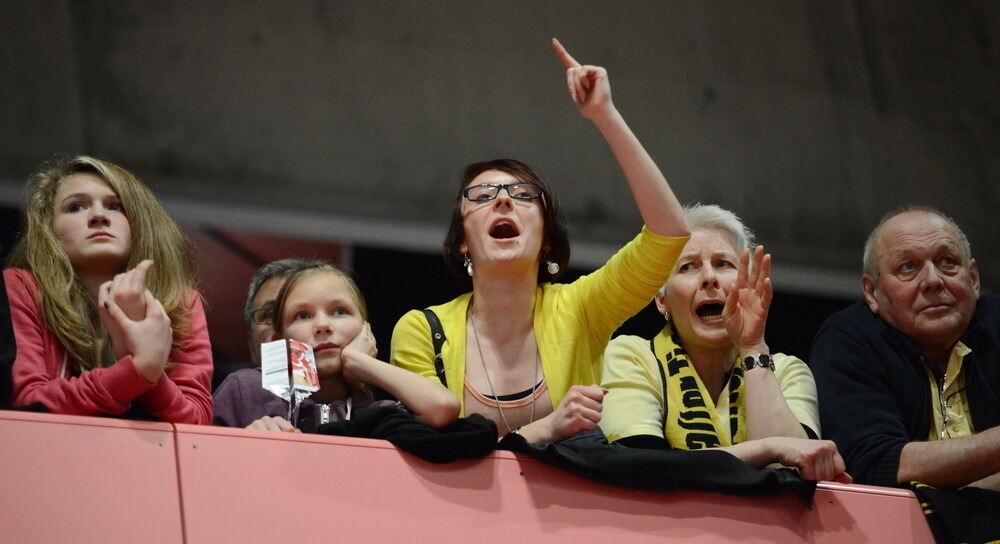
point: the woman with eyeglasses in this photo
(518, 349)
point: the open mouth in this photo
(504, 229)
(710, 311)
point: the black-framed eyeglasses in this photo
(489, 191)
(263, 315)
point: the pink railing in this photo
(82, 479)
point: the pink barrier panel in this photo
(255, 486)
(86, 479)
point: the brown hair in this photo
(295, 278)
(555, 241)
(66, 306)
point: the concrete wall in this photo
(808, 119)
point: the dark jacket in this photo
(874, 396)
(589, 455)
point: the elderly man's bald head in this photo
(869, 263)
(920, 278)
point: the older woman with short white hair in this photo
(708, 379)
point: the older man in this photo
(909, 380)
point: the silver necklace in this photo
(534, 383)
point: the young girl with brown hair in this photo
(322, 306)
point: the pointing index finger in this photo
(564, 56)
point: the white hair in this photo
(711, 216)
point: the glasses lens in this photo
(481, 192)
(524, 191)
(262, 315)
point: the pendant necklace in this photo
(534, 383)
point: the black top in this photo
(874, 396)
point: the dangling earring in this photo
(552, 267)
(468, 264)
(666, 316)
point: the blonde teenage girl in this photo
(105, 318)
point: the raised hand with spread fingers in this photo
(748, 302)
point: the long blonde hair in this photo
(67, 308)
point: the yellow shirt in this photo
(950, 413)
(635, 406)
(572, 321)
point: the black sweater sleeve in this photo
(858, 404)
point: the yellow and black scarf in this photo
(690, 420)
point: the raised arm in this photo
(591, 92)
(745, 316)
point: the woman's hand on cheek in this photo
(748, 302)
(128, 289)
(148, 340)
(274, 424)
(580, 410)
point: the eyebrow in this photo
(499, 181)
(270, 303)
(335, 301)
(74, 195)
(715, 254)
(946, 245)
(88, 196)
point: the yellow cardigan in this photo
(573, 321)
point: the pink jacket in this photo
(182, 395)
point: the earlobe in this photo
(661, 304)
(868, 286)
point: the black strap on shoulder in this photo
(663, 381)
(438, 338)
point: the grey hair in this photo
(711, 216)
(868, 265)
(274, 269)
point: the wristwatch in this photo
(761, 359)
